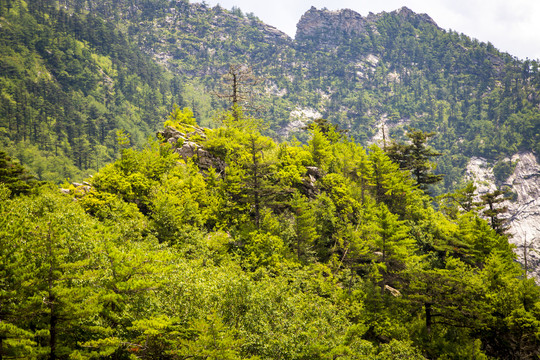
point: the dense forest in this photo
(68, 84)
(253, 249)
(74, 72)
(240, 231)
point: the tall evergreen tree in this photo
(493, 212)
(416, 157)
(14, 176)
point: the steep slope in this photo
(523, 215)
(68, 83)
(384, 71)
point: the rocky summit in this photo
(329, 27)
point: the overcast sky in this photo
(511, 25)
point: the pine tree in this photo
(415, 157)
(258, 184)
(393, 243)
(304, 225)
(320, 147)
(14, 176)
(460, 201)
(493, 212)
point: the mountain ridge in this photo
(328, 23)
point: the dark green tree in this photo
(416, 157)
(305, 233)
(459, 201)
(14, 176)
(494, 211)
(332, 131)
(259, 187)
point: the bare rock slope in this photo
(524, 211)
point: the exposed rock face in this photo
(309, 183)
(406, 13)
(524, 212)
(298, 119)
(220, 34)
(328, 26)
(384, 125)
(187, 148)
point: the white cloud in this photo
(511, 26)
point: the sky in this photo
(512, 26)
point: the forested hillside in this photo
(244, 248)
(263, 221)
(99, 66)
(68, 83)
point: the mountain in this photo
(223, 236)
(77, 72)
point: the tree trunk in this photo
(53, 332)
(428, 317)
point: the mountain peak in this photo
(330, 25)
(407, 13)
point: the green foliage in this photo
(290, 251)
(73, 76)
(319, 147)
(399, 350)
(181, 204)
(462, 200)
(68, 84)
(416, 158)
(271, 259)
(14, 177)
(493, 211)
(180, 116)
(503, 169)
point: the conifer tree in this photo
(493, 212)
(14, 176)
(416, 157)
(462, 200)
(304, 225)
(320, 147)
(393, 243)
(258, 185)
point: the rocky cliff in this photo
(188, 145)
(524, 211)
(330, 26)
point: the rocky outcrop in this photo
(328, 26)
(309, 183)
(524, 211)
(298, 119)
(77, 189)
(184, 145)
(407, 14)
